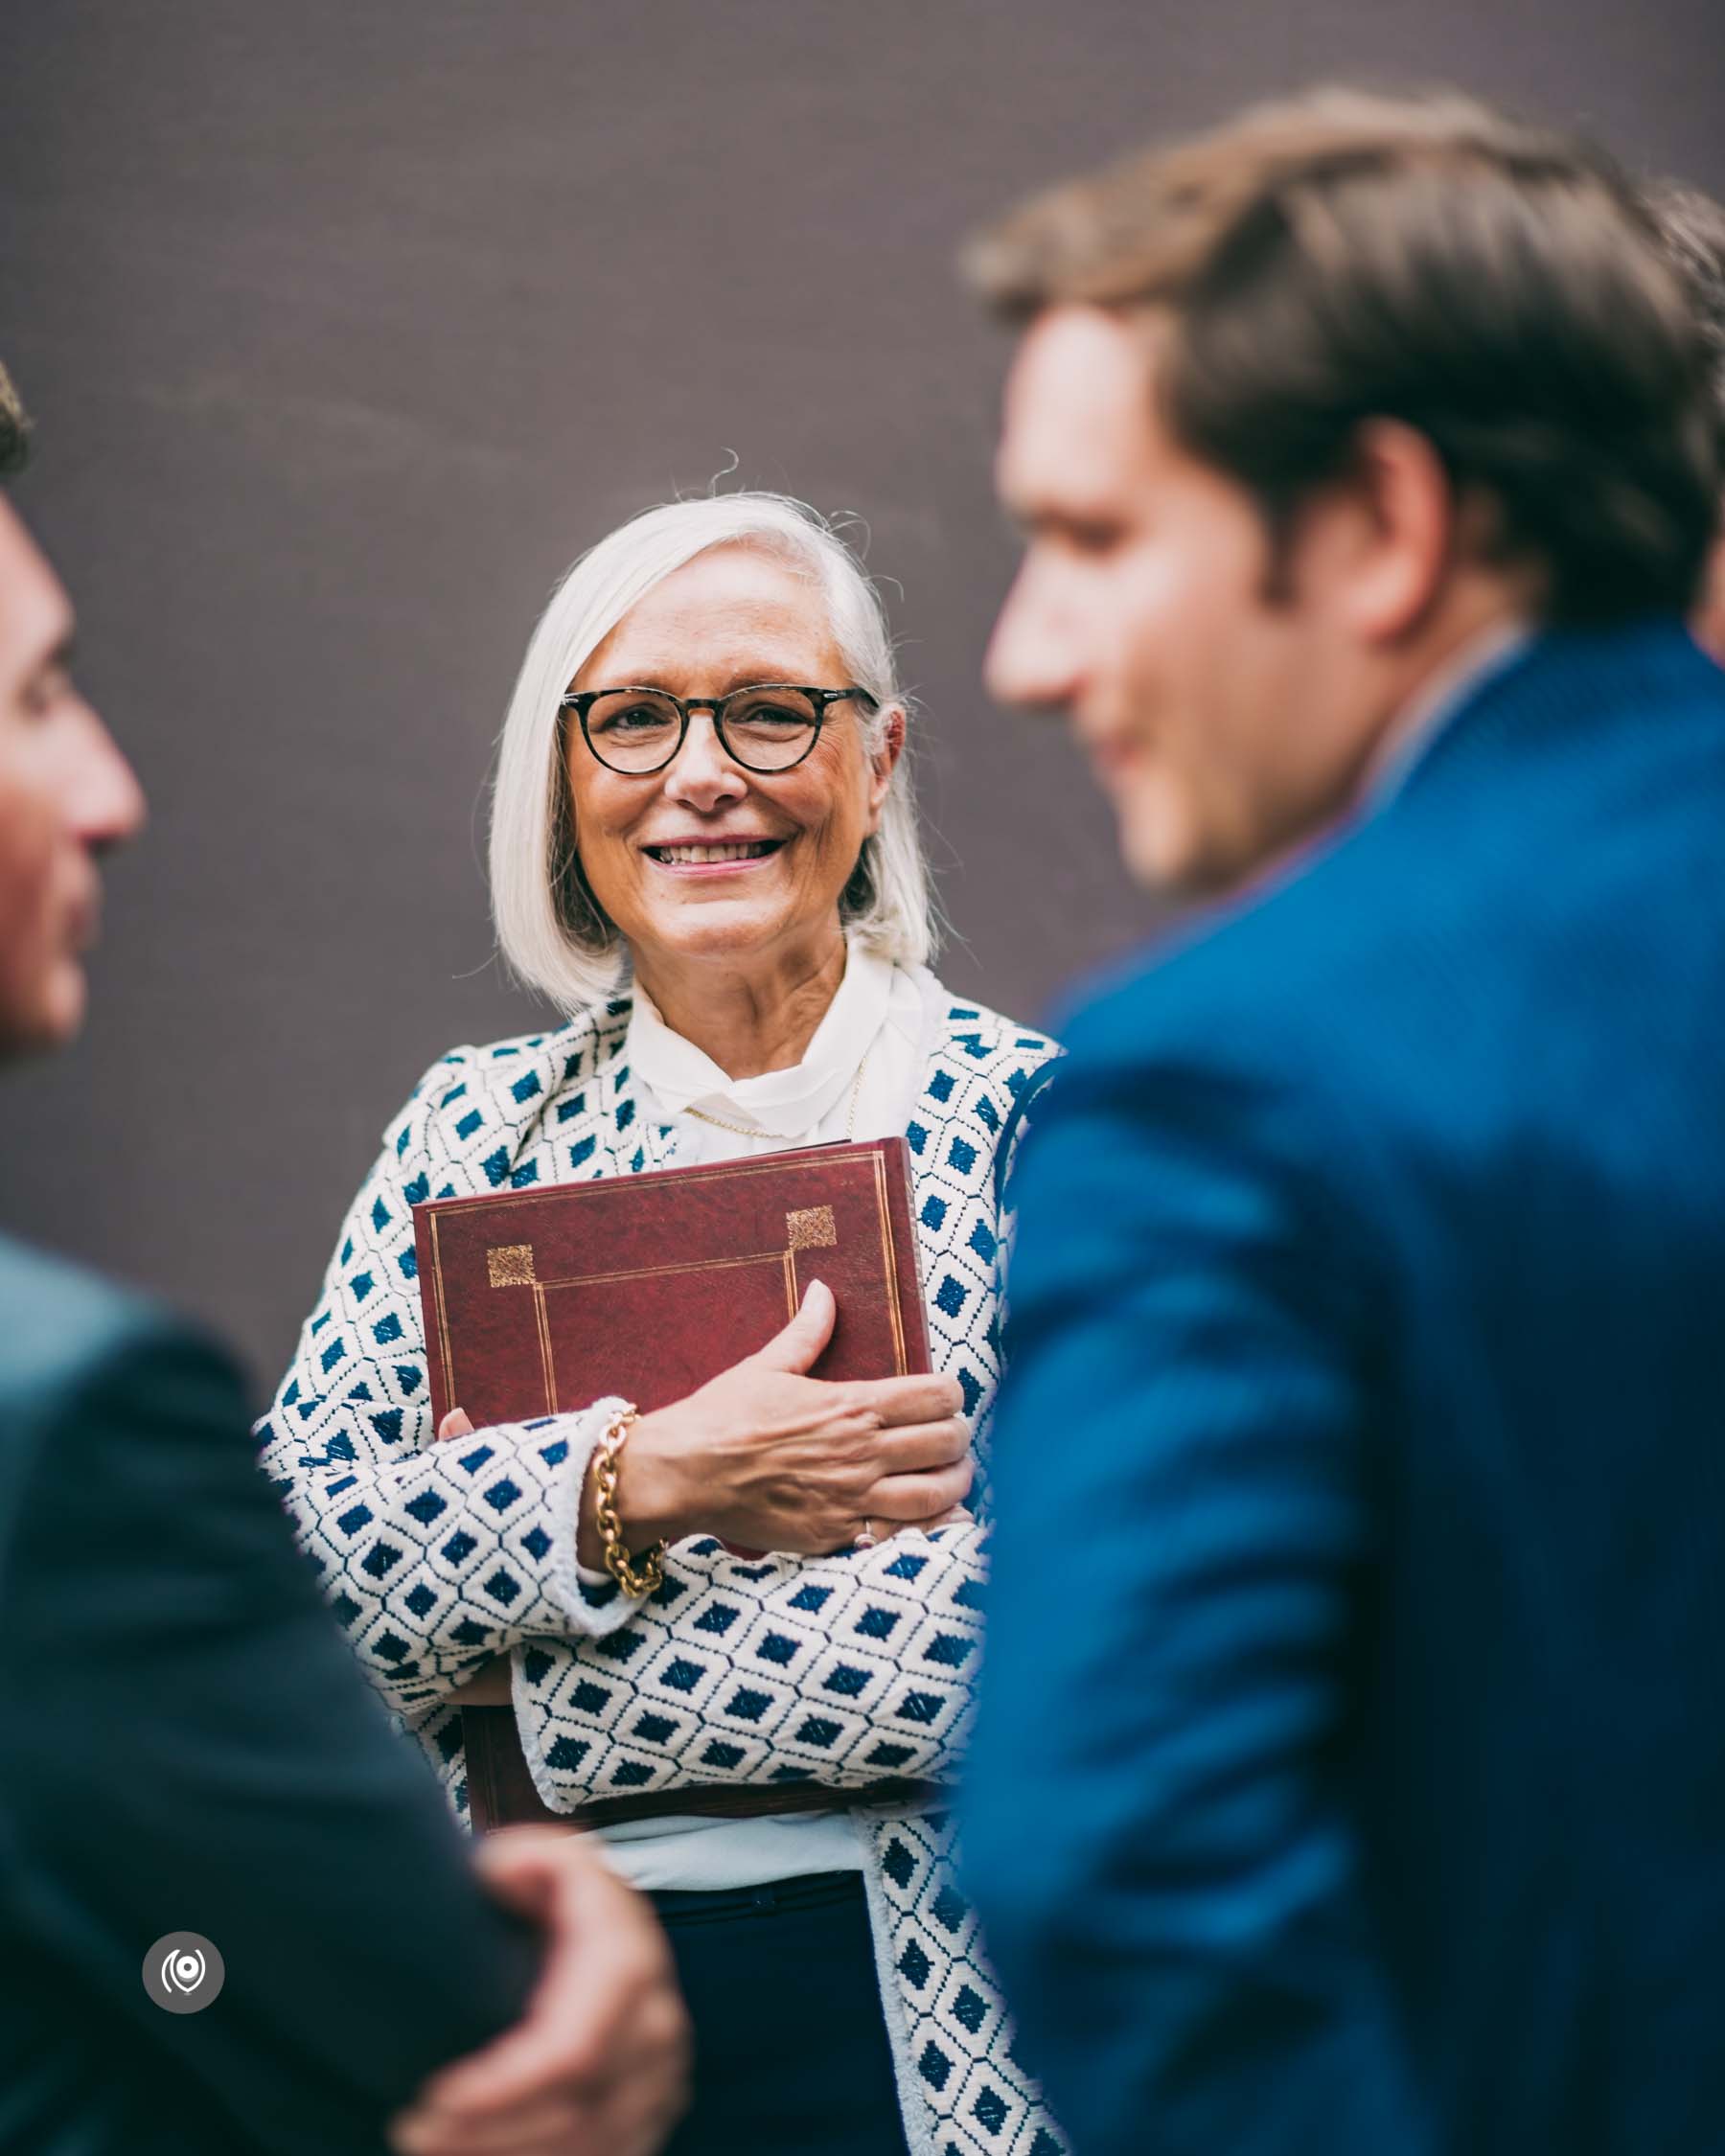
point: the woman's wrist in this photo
(649, 1503)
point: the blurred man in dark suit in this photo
(1365, 1386)
(186, 1746)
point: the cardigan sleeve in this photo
(843, 1670)
(435, 1556)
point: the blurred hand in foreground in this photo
(599, 2066)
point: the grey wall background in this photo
(347, 326)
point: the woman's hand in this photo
(771, 1459)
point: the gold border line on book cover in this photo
(721, 1172)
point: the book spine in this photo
(432, 1311)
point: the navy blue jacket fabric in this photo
(187, 1745)
(1366, 1405)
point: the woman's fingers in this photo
(957, 1516)
(909, 1399)
(912, 1450)
(912, 1499)
(960, 1516)
(767, 1458)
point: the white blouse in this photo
(858, 1079)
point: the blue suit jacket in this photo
(186, 1745)
(1351, 1770)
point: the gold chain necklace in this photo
(742, 1130)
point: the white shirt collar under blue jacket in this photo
(1415, 727)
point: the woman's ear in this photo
(884, 761)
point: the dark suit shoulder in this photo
(185, 1743)
(61, 1320)
(71, 1336)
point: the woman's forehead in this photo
(733, 615)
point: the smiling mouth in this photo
(703, 856)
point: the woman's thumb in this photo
(798, 1347)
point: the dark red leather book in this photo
(542, 1300)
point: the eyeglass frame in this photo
(582, 700)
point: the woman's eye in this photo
(770, 716)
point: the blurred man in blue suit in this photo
(1366, 1386)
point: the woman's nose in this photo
(702, 773)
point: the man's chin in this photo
(36, 1018)
(1173, 855)
(1158, 853)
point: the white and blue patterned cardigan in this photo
(840, 1670)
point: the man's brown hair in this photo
(1341, 257)
(15, 428)
(1693, 226)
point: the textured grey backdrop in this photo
(347, 326)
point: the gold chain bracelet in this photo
(635, 1579)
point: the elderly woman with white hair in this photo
(704, 852)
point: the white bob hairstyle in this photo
(551, 930)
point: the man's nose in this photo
(702, 773)
(106, 801)
(1033, 657)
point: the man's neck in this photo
(1472, 642)
(748, 1017)
(1476, 649)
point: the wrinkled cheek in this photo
(617, 878)
(832, 858)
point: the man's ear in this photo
(884, 761)
(1404, 532)
(1709, 622)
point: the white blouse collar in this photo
(784, 1104)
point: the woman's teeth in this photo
(748, 849)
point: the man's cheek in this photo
(1136, 619)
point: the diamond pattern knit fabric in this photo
(839, 1670)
